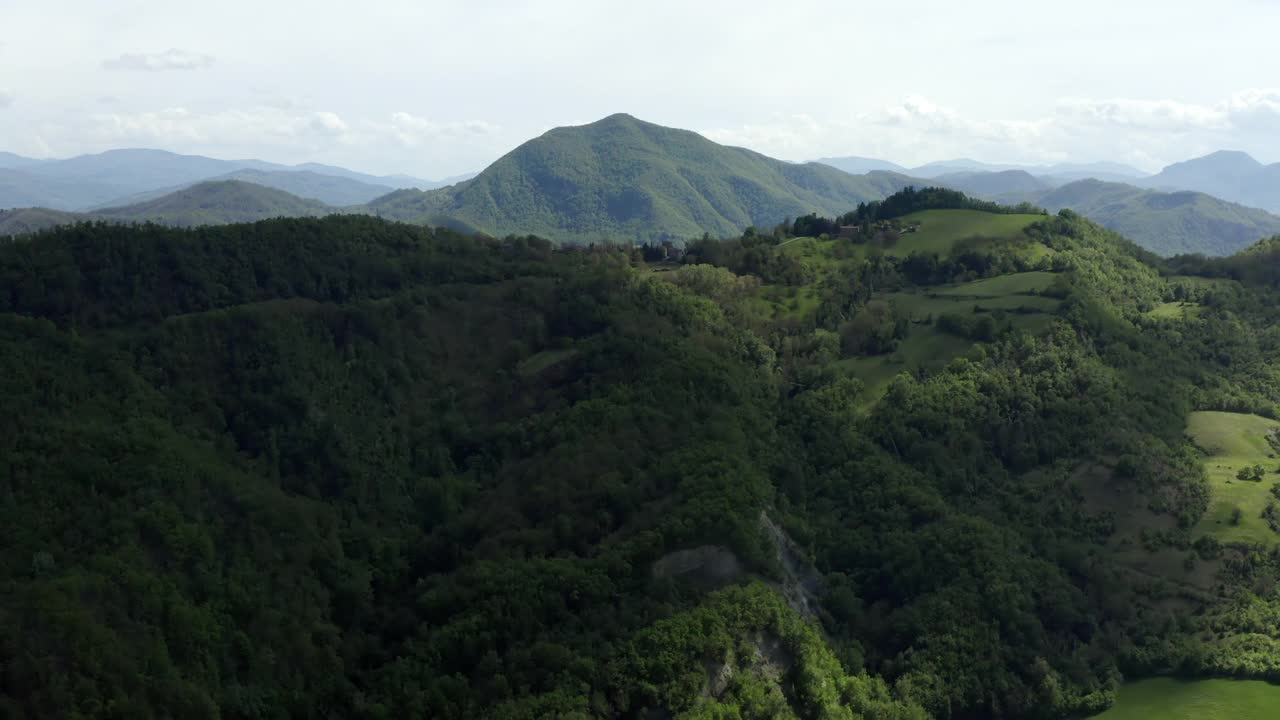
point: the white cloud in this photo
(787, 136)
(413, 130)
(328, 123)
(913, 130)
(171, 59)
(1247, 110)
(178, 126)
(1147, 133)
(1160, 115)
(1255, 110)
(6, 99)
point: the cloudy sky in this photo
(440, 87)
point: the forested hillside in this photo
(624, 180)
(344, 467)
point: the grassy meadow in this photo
(1232, 441)
(940, 230)
(1173, 699)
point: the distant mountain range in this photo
(1166, 223)
(1233, 176)
(334, 190)
(624, 179)
(1216, 205)
(120, 177)
(1055, 174)
(207, 203)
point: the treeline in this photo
(911, 200)
(1257, 265)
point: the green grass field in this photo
(928, 347)
(924, 347)
(1011, 293)
(1232, 441)
(940, 230)
(1015, 284)
(1175, 311)
(1171, 699)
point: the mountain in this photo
(329, 189)
(1097, 170)
(125, 176)
(1234, 176)
(21, 221)
(860, 166)
(394, 181)
(206, 203)
(10, 160)
(993, 184)
(998, 465)
(624, 179)
(216, 203)
(1164, 223)
(1066, 171)
(1046, 175)
(960, 165)
(20, 187)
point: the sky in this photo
(436, 88)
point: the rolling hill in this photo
(627, 180)
(1164, 223)
(333, 190)
(21, 221)
(207, 203)
(217, 203)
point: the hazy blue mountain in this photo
(1232, 175)
(393, 181)
(134, 170)
(329, 189)
(994, 184)
(959, 165)
(855, 165)
(205, 203)
(1087, 170)
(10, 160)
(32, 219)
(19, 187)
(128, 175)
(1067, 171)
(624, 179)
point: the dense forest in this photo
(344, 467)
